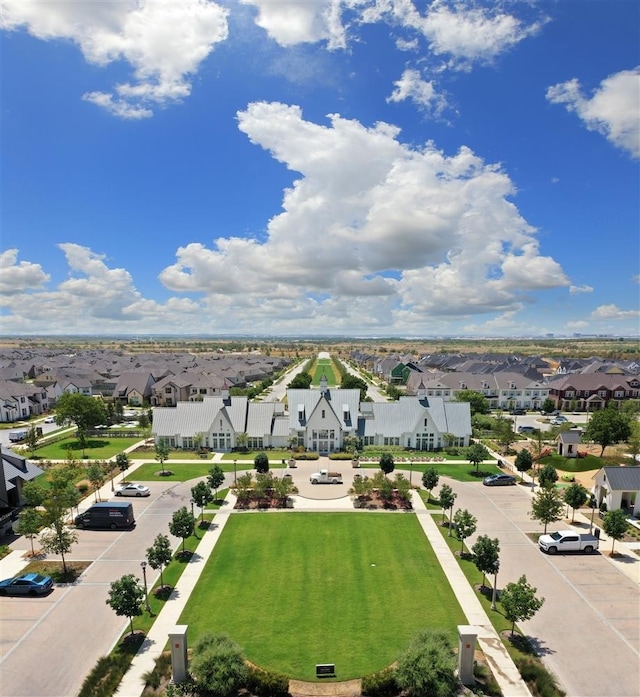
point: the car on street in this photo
(518, 412)
(558, 421)
(527, 429)
(131, 489)
(499, 480)
(26, 584)
(50, 420)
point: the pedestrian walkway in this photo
(503, 668)
(132, 684)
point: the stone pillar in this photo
(467, 635)
(179, 661)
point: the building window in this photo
(323, 413)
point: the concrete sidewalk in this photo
(132, 684)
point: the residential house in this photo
(15, 471)
(618, 487)
(134, 388)
(21, 401)
(592, 391)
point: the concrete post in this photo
(179, 661)
(467, 635)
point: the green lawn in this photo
(96, 449)
(182, 471)
(296, 589)
(573, 464)
(462, 472)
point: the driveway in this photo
(587, 631)
(49, 645)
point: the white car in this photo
(133, 490)
(50, 420)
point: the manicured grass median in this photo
(96, 448)
(296, 589)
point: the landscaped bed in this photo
(296, 589)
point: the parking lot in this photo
(588, 628)
(65, 633)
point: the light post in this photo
(235, 480)
(593, 512)
(194, 520)
(143, 564)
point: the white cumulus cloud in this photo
(16, 278)
(163, 42)
(612, 110)
(613, 312)
(407, 232)
(422, 92)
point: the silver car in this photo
(131, 489)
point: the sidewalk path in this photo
(132, 684)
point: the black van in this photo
(107, 514)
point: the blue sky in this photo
(333, 167)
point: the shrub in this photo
(266, 683)
(306, 456)
(340, 456)
(428, 667)
(540, 681)
(380, 684)
(105, 677)
(218, 665)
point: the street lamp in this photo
(234, 472)
(143, 564)
(194, 520)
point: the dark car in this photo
(518, 412)
(499, 480)
(26, 584)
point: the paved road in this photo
(49, 645)
(588, 630)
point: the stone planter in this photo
(355, 463)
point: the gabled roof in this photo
(15, 466)
(622, 478)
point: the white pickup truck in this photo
(326, 477)
(568, 541)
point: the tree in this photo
(633, 443)
(519, 601)
(486, 555)
(447, 499)
(575, 496)
(199, 439)
(218, 666)
(476, 454)
(261, 463)
(122, 460)
(387, 464)
(428, 667)
(608, 426)
(159, 554)
(465, 525)
(547, 506)
(615, 525)
(95, 474)
(84, 411)
(202, 495)
(302, 381)
(505, 433)
(352, 382)
(215, 478)
(242, 439)
(59, 499)
(182, 524)
(477, 401)
(29, 524)
(548, 476)
(430, 480)
(125, 597)
(33, 493)
(524, 460)
(243, 486)
(32, 438)
(350, 443)
(162, 451)
(548, 405)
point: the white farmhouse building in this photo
(318, 419)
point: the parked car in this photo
(50, 420)
(518, 412)
(557, 421)
(132, 489)
(26, 584)
(499, 480)
(526, 429)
